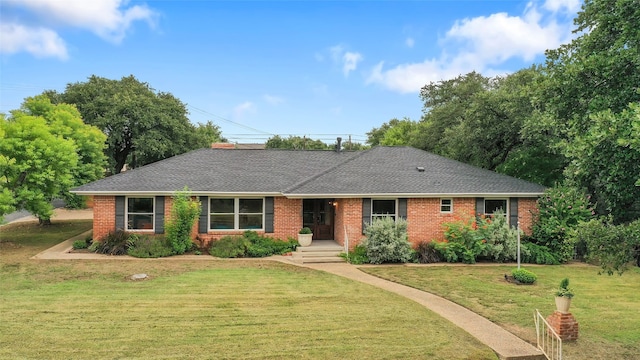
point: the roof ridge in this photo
(329, 169)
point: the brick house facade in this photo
(277, 192)
(424, 218)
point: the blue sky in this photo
(259, 68)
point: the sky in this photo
(319, 69)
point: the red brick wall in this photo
(104, 215)
(348, 215)
(424, 219)
(526, 212)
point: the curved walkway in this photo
(504, 344)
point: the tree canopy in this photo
(46, 149)
(142, 126)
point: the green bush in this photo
(149, 247)
(357, 256)
(462, 242)
(251, 244)
(427, 253)
(560, 210)
(501, 239)
(184, 213)
(611, 246)
(80, 244)
(229, 247)
(537, 254)
(114, 243)
(386, 241)
(524, 276)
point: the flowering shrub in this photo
(502, 239)
(560, 210)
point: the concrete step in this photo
(323, 251)
(317, 260)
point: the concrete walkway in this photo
(504, 344)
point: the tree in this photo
(400, 133)
(206, 134)
(64, 120)
(296, 143)
(142, 126)
(37, 164)
(588, 85)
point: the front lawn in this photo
(607, 308)
(223, 309)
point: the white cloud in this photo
(39, 42)
(108, 19)
(350, 62)
(246, 107)
(273, 100)
(409, 42)
(346, 59)
(481, 44)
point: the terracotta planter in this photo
(562, 304)
(305, 239)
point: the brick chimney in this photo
(223, 145)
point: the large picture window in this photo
(493, 205)
(236, 214)
(381, 208)
(140, 213)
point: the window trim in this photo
(236, 212)
(152, 213)
(395, 209)
(506, 210)
(450, 205)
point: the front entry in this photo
(317, 214)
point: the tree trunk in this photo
(44, 222)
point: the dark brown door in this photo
(317, 214)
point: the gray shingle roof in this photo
(295, 173)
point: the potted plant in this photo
(563, 296)
(305, 236)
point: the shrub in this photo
(229, 247)
(537, 254)
(80, 244)
(426, 252)
(524, 276)
(501, 239)
(114, 243)
(149, 247)
(184, 212)
(462, 242)
(305, 230)
(261, 246)
(386, 241)
(560, 209)
(356, 256)
(613, 247)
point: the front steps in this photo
(320, 251)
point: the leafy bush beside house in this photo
(560, 210)
(184, 213)
(387, 242)
(250, 244)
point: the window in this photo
(140, 213)
(236, 214)
(446, 205)
(493, 205)
(381, 208)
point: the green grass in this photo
(607, 308)
(204, 309)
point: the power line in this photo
(229, 121)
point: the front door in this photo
(317, 214)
